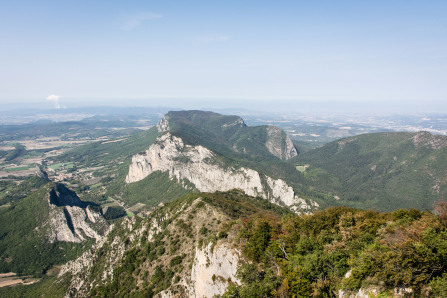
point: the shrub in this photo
(175, 261)
(203, 230)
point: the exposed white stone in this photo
(281, 190)
(362, 293)
(212, 270)
(197, 165)
(77, 266)
(163, 124)
(74, 224)
(275, 146)
(155, 228)
(239, 122)
(290, 150)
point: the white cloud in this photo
(55, 100)
(133, 21)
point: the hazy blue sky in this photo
(133, 52)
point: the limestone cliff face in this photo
(231, 132)
(163, 124)
(239, 122)
(198, 165)
(214, 264)
(79, 269)
(70, 220)
(213, 270)
(279, 144)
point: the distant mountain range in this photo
(216, 207)
(382, 171)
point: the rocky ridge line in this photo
(198, 165)
(71, 221)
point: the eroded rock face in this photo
(277, 141)
(426, 139)
(80, 268)
(213, 269)
(239, 123)
(279, 144)
(198, 165)
(70, 220)
(163, 125)
(214, 265)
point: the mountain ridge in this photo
(200, 166)
(215, 240)
(231, 245)
(37, 234)
(231, 132)
(384, 171)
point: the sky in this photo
(276, 54)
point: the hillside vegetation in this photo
(229, 136)
(343, 249)
(285, 255)
(383, 171)
(233, 245)
(235, 145)
(336, 251)
(109, 152)
(24, 247)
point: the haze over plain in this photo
(376, 55)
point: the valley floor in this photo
(11, 279)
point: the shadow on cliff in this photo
(61, 196)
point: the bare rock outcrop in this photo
(426, 139)
(163, 124)
(214, 264)
(70, 219)
(213, 269)
(279, 144)
(199, 165)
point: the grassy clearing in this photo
(56, 166)
(17, 169)
(60, 166)
(302, 169)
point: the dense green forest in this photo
(283, 254)
(18, 151)
(24, 248)
(152, 190)
(345, 246)
(229, 137)
(311, 255)
(382, 171)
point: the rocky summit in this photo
(201, 167)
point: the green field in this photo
(302, 169)
(60, 166)
(17, 169)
